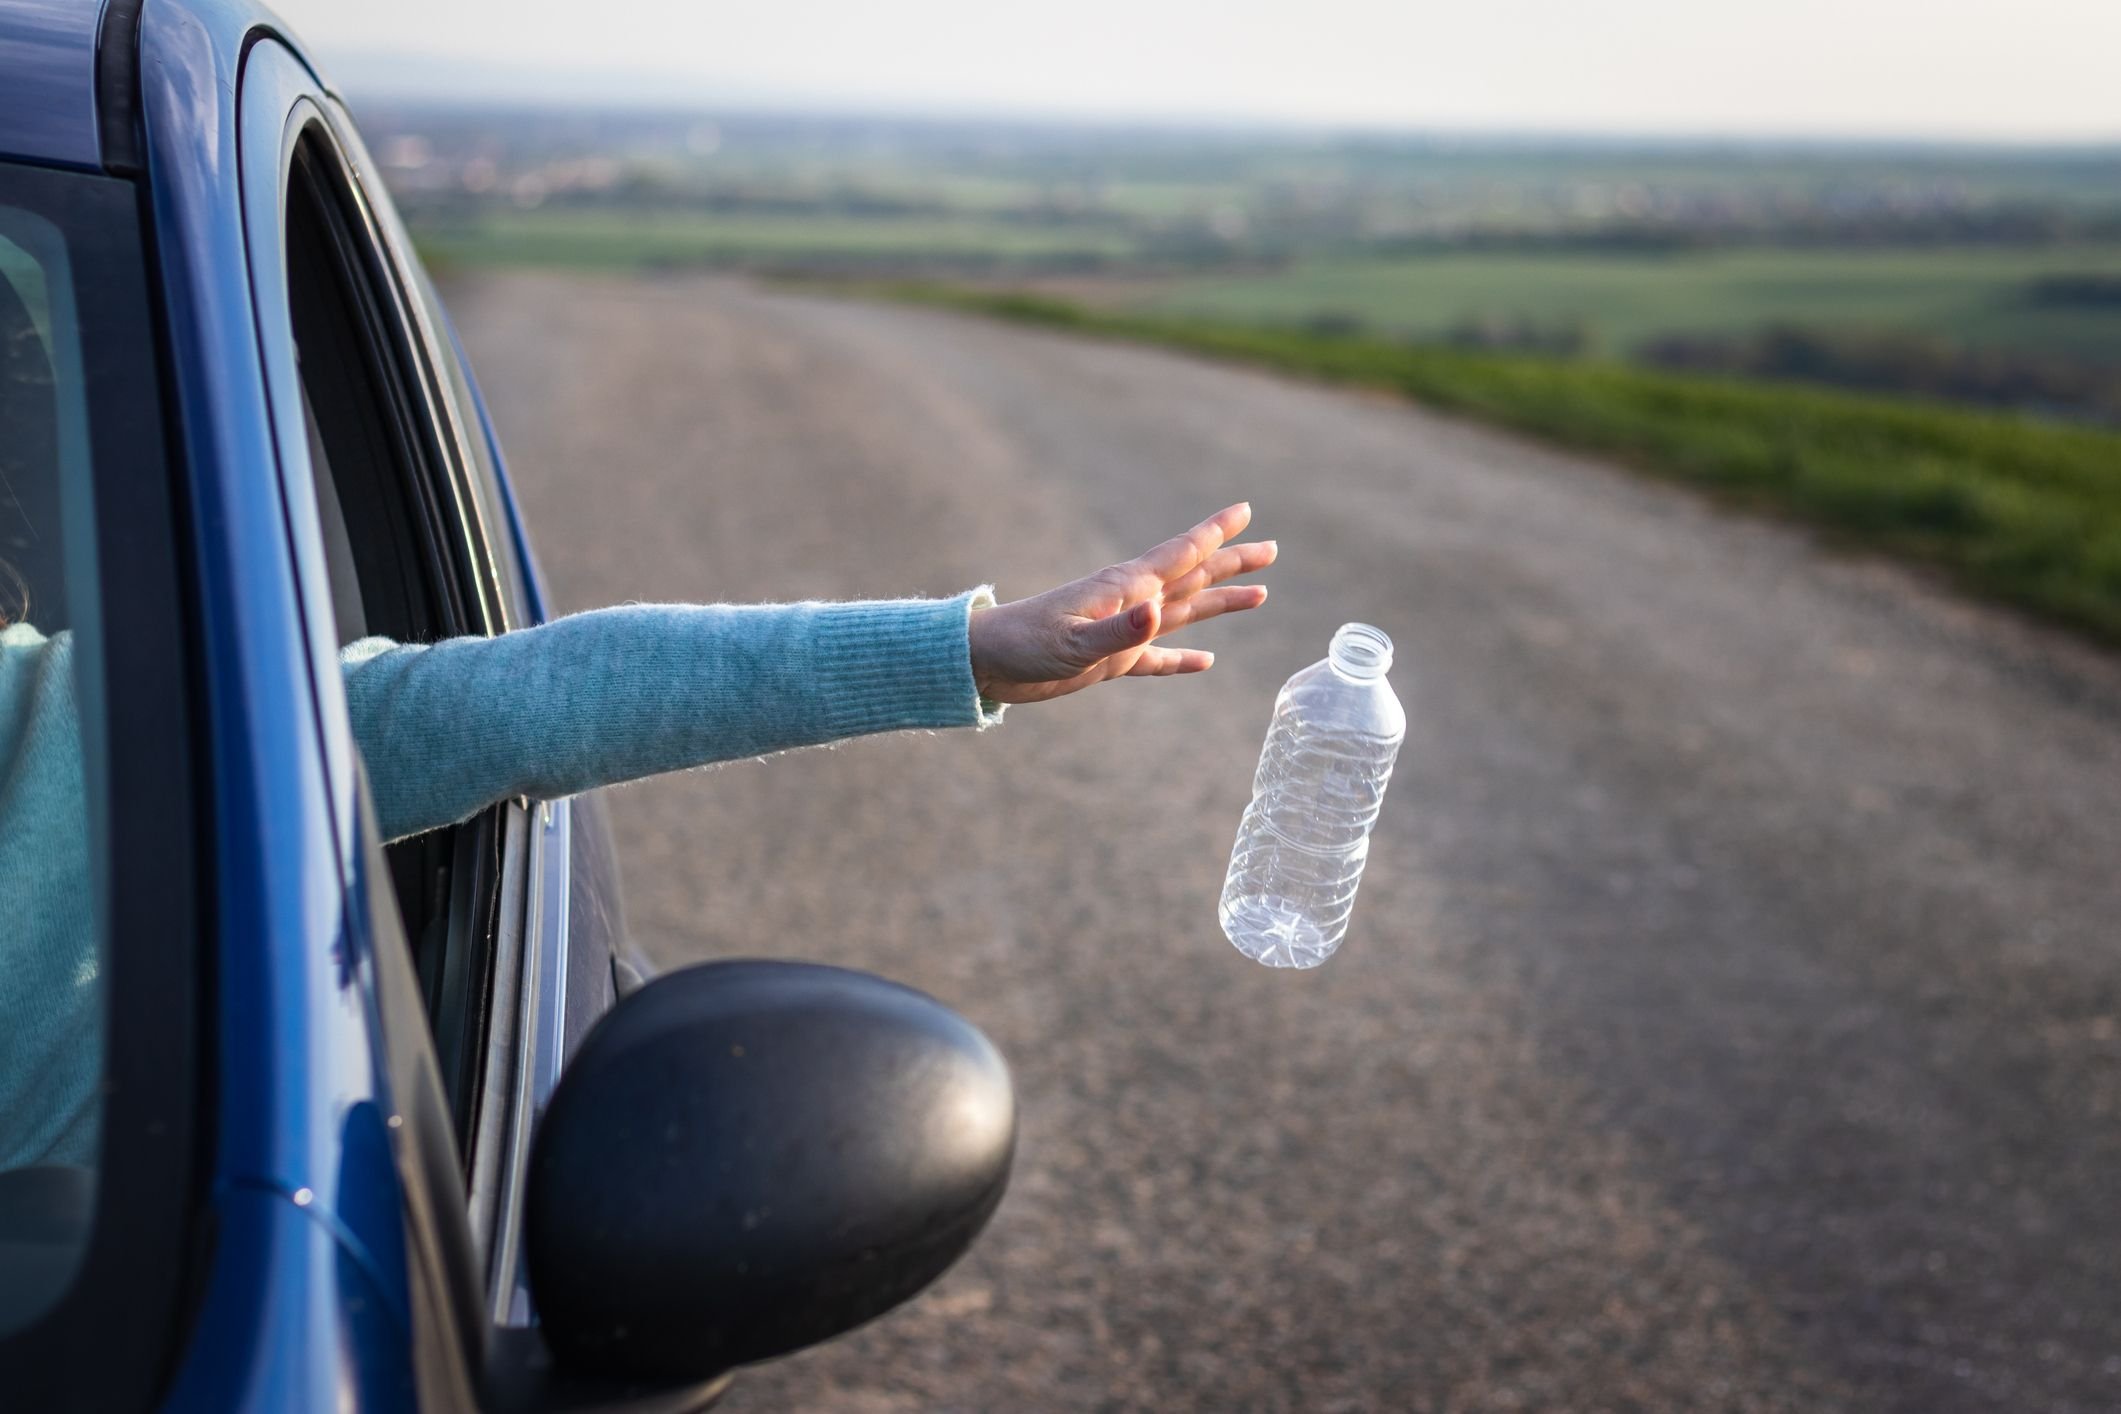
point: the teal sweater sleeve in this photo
(614, 694)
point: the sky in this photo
(2008, 70)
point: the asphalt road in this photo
(1731, 1017)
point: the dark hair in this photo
(17, 598)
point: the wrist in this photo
(979, 628)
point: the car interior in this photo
(32, 573)
(45, 1210)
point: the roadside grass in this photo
(2023, 511)
(1976, 296)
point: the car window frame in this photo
(504, 1055)
(350, 380)
(522, 864)
(399, 343)
(462, 962)
(106, 1342)
(482, 501)
(281, 104)
(529, 1019)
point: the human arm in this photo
(615, 694)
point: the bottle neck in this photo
(1360, 653)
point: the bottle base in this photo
(1274, 931)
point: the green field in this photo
(2023, 511)
(1976, 297)
(608, 238)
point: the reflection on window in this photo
(52, 972)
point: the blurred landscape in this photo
(1731, 1018)
(1916, 348)
(1979, 275)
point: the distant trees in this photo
(1913, 364)
(2093, 291)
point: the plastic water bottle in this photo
(1300, 851)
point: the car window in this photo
(399, 558)
(455, 391)
(94, 820)
(51, 838)
(386, 532)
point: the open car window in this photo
(399, 563)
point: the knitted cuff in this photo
(900, 664)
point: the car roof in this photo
(48, 109)
(48, 81)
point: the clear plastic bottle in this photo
(1300, 851)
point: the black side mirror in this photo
(746, 1158)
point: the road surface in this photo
(1729, 1019)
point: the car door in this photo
(400, 531)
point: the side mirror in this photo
(746, 1158)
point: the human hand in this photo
(1103, 626)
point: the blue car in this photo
(380, 1127)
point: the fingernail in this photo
(1139, 619)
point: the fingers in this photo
(1208, 603)
(1226, 563)
(1093, 640)
(1174, 586)
(1166, 662)
(1182, 552)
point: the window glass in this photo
(103, 839)
(52, 855)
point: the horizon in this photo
(379, 77)
(1796, 70)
